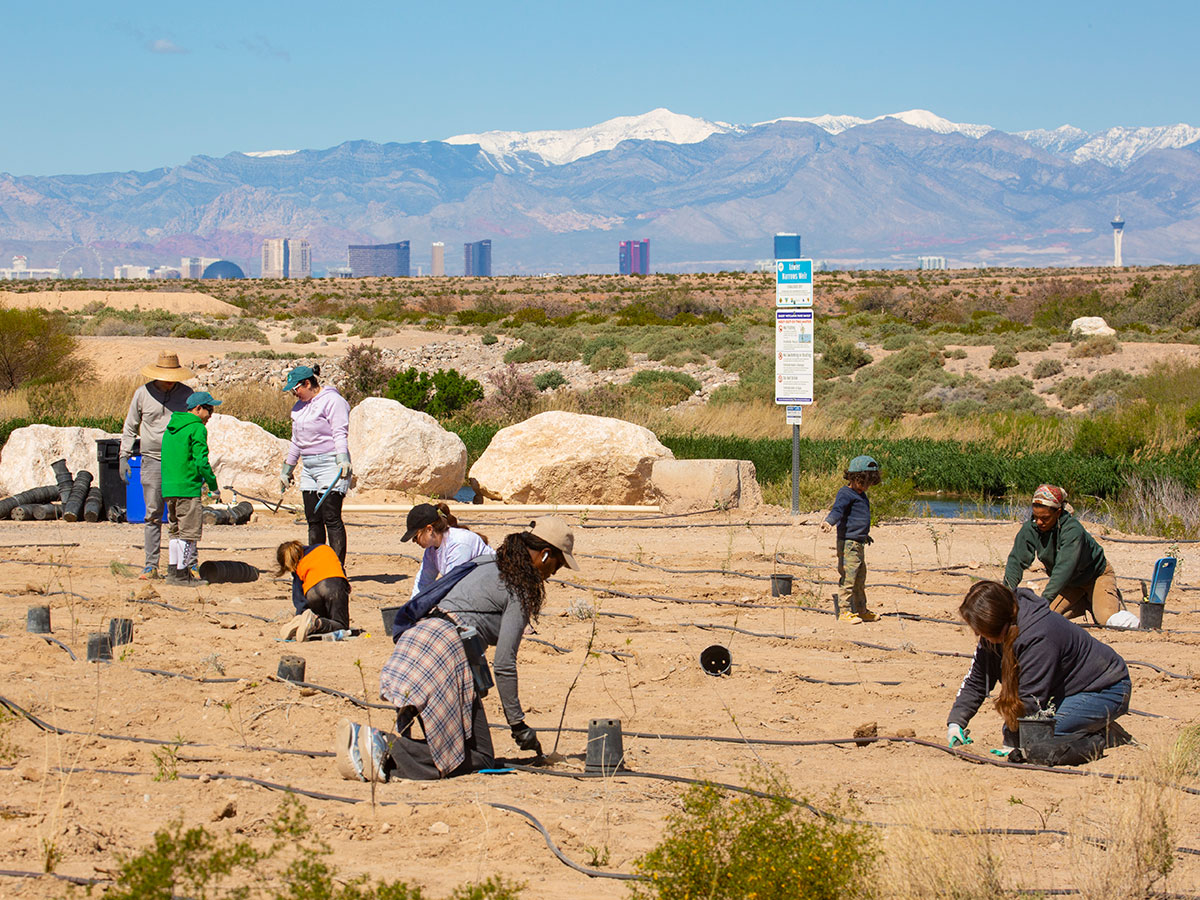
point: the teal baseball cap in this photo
(201, 398)
(863, 464)
(297, 375)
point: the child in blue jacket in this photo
(851, 513)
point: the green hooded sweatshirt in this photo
(185, 467)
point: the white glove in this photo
(957, 736)
(343, 461)
(285, 477)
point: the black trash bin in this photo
(112, 488)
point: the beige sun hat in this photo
(167, 368)
(554, 531)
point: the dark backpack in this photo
(419, 606)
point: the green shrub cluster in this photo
(548, 381)
(1048, 367)
(1075, 390)
(441, 394)
(1003, 359)
(36, 347)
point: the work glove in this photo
(957, 736)
(285, 477)
(123, 468)
(1004, 752)
(526, 738)
(214, 496)
(343, 461)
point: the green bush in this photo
(956, 353)
(488, 339)
(548, 381)
(767, 847)
(1003, 359)
(608, 358)
(648, 377)
(304, 337)
(37, 346)
(1115, 436)
(842, 358)
(441, 394)
(364, 373)
(367, 329)
(1047, 367)
(1098, 345)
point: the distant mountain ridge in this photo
(708, 195)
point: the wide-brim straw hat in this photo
(167, 368)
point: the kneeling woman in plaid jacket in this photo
(428, 676)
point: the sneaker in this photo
(149, 573)
(300, 627)
(184, 578)
(866, 615)
(345, 748)
(373, 751)
(849, 618)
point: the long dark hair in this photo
(990, 608)
(517, 571)
(446, 520)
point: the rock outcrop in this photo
(1088, 326)
(26, 457)
(396, 448)
(561, 457)
(695, 485)
(245, 456)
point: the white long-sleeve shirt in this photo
(459, 545)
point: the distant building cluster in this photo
(931, 262)
(477, 259)
(21, 271)
(378, 260)
(145, 273)
(633, 258)
(286, 258)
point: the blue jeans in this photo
(1094, 711)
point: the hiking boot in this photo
(849, 618)
(184, 578)
(346, 753)
(300, 627)
(149, 573)
(866, 615)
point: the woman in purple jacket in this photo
(320, 432)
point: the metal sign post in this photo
(794, 326)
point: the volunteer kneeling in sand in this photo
(320, 590)
(1040, 660)
(445, 543)
(1080, 578)
(429, 678)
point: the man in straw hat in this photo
(149, 412)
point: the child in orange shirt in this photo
(320, 591)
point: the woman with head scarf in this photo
(1080, 579)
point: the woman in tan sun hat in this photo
(150, 410)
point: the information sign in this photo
(793, 282)
(795, 415)
(794, 356)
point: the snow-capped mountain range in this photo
(1118, 146)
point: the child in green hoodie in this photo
(185, 471)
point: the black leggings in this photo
(410, 758)
(329, 600)
(325, 525)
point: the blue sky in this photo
(137, 85)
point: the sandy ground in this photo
(171, 301)
(644, 671)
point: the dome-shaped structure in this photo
(223, 269)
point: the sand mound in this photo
(171, 301)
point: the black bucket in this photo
(227, 571)
(389, 618)
(1150, 618)
(605, 753)
(781, 585)
(120, 631)
(1037, 738)
(291, 668)
(99, 648)
(715, 660)
(37, 620)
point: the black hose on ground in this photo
(73, 508)
(45, 494)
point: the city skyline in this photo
(82, 62)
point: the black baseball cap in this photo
(418, 517)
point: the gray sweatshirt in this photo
(483, 600)
(149, 412)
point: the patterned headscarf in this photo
(1051, 496)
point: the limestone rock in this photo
(396, 448)
(25, 460)
(1086, 326)
(694, 485)
(246, 456)
(561, 457)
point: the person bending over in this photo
(428, 676)
(320, 591)
(445, 543)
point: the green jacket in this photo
(1071, 555)
(185, 467)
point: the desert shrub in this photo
(488, 339)
(37, 346)
(242, 331)
(443, 393)
(1113, 435)
(1076, 390)
(331, 328)
(657, 376)
(598, 344)
(479, 317)
(367, 329)
(193, 331)
(1097, 345)
(842, 358)
(1047, 367)
(769, 847)
(546, 343)
(744, 361)
(608, 358)
(899, 341)
(513, 399)
(1003, 359)
(266, 354)
(683, 358)
(364, 373)
(1191, 419)
(304, 337)
(892, 498)
(956, 353)
(548, 381)
(1032, 344)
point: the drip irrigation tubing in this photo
(50, 640)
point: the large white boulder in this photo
(25, 460)
(562, 457)
(245, 456)
(396, 448)
(695, 485)
(1086, 326)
